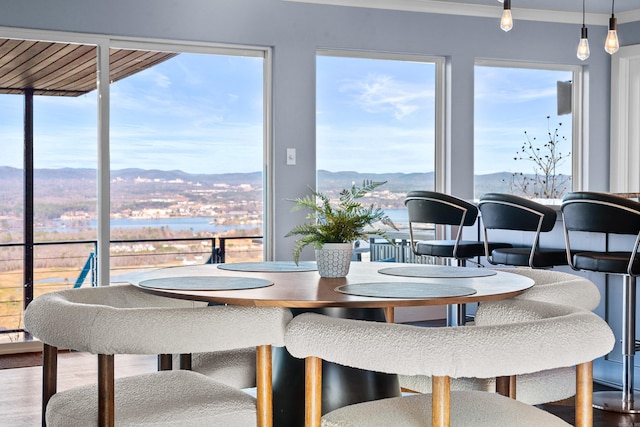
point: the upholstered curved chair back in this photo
(602, 215)
(431, 207)
(557, 287)
(123, 319)
(539, 387)
(600, 212)
(547, 336)
(126, 320)
(440, 209)
(509, 212)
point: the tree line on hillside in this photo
(57, 191)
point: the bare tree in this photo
(546, 157)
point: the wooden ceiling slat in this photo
(9, 45)
(27, 74)
(61, 69)
(136, 62)
(77, 66)
(11, 58)
(67, 64)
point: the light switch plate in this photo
(291, 156)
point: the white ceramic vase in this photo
(334, 259)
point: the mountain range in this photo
(61, 190)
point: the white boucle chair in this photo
(126, 320)
(538, 387)
(236, 368)
(558, 287)
(554, 336)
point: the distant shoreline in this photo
(195, 224)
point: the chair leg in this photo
(441, 401)
(313, 392)
(457, 313)
(165, 362)
(106, 391)
(506, 386)
(628, 340)
(264, 378)
(625, 401)
(584, 395)
(185, 361)
(389, 314)
(49, 376)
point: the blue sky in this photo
(203, 114)
(374, 115)
(508, 102)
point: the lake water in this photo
(195, 224)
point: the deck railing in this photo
(66, 264)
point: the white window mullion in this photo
(104, 167)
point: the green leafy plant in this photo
(343, 223)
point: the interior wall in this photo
(629, 34)
(297, 30)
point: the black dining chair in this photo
(607, 214)
(432, 208)
(508, 212)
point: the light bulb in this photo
(611, 44)
(583, 49)
(583, 46)
(506, 23)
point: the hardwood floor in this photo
(565, 410)
(20, 390)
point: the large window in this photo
(47, 171)
(525, 139)
(184, 126)
(186, 158)
(377, 119)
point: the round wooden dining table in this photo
(365, 293)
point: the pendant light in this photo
(506, 23)
(583, 46)
(611, 44)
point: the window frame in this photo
(578, 119)
(103, 45)
(440, 119)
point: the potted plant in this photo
(332, 229)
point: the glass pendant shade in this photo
(611, 44)
(506, 23)
(583, 46)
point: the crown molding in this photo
(486, 11)
(630, 16)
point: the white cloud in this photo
(381, 93)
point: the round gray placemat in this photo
(437, 271)
(269, 266)
(204, 283)
(407, 290)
